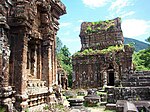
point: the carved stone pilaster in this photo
(6, 91)
(105, 78)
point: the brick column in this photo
(55, 63)
(20, 70)
(50, 59)
(47, 63)
(39, 62)
(20, 63)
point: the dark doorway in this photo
(111, 79)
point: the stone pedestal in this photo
(92, 99)
(75, 103)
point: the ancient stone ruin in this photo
(62, 76)
(103, 57)
(28, 63)
(105, 62)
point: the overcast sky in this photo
(135, 16)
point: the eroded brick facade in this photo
(28, 30)
(97, 64)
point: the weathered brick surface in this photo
(99, 68)
(99, 35)
(135, 79)
(128, 93)
(32, 60)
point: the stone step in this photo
(120, 105)
(110, 106)
(103, 103)
(130, 107)
(135, 84)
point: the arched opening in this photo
(110, 77)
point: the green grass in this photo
(2, 109)
(94, 52)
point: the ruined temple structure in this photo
(103, 57)
(28, 65)
(104, 61)
(62, 76)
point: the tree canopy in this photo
(141, 59)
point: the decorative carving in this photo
(28, 63)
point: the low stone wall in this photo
(136, 79)
(128, 93)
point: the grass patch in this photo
(94, 52)
(2, 109)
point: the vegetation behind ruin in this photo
(64, 57)
(141, 59)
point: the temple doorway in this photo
(110, 79)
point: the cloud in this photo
(65, 24)
(121, 14)
(80, 21)
(135, 27)
(126, 14)
(118, 5)
(77, 29)
(95, 3)
(66, 33)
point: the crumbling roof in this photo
(99, 26)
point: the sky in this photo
(135, 15)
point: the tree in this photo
(141, 59)
(59, 45)
(64, 57)
(148, 39)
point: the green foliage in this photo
(148, 39)
(27, 110)
(101, 93)
(102, 25)
(46, 107)
(59, 44)
(112, 48)
(89, 28)
(107, 21)
(93, 52)
(64, 56)
(2, 109)
(97, 22)
(56, 108)
(141, 59)
(60, 107)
